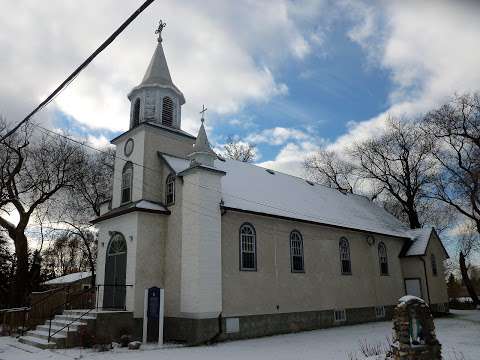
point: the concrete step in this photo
(63, 322)
(42, 334)
(60, 327)
(37, 342)
(70, 318)
(80, 312)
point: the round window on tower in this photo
(128, 149)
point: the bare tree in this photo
(327, 168)
(400, 164)
(456, 126)
(65, 254)
(238, 150)
(469, 244)
(32, 171)
(83, 200)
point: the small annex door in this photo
(413, 287)
(115, 273)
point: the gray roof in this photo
(158, 74)
(251, 188)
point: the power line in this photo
(82, 66)
(314, 216)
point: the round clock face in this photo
(128, 147)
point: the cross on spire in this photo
(204, 109)
(161, 25)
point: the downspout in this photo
(426, 278)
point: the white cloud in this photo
(276, 136)
(428, 48)
(220, 53)
(290, 158)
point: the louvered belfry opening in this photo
(167, 111)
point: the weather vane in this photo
(161, 25)
(203, 113)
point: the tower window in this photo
(167, 111)
(170, 190)
(127, 177)
(136, 113)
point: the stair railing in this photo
(63, 306)
(50, 334)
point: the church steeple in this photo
(202, 152)
(156, 98)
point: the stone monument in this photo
(414, 331)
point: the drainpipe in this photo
(426, 278)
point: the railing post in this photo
(49, 328)
(23, 323)
(97, 294)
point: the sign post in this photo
(153, 310)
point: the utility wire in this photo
(314, 216)
(82, 66)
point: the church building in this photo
(243, 251)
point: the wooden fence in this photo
(44, 305)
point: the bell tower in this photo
(156, 99)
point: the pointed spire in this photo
(158, 74)
(157, 71)
(202, 144)
(202, 152)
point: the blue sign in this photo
(153, 308)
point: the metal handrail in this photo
(66, 326)
(98, 286)
(53, 313)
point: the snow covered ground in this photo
(459, 335)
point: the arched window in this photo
(170, 190)
(345, 256)
(248, 248)
(434, 265)
(296, 252)
(117, 244)
(127, 177)
(382, 258)
(167, 111)
(136, 113)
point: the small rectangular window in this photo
(340, 315)
(232, 325)
(379, 312)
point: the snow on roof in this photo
(68, 279)
(145, 204)
(252, 188)
(409, 298)
(177, 164)
(420, 238)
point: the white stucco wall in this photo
(201, 269)
(321, 287)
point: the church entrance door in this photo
(115, 273)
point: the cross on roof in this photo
(203, 113)
(161, 25)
